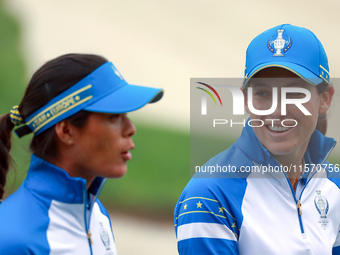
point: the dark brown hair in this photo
(47, 82)
(322, 123)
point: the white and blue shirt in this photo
(252, 213)
(53, 213)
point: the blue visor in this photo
(104, 90)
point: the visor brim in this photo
(126, 99)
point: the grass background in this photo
(161, 160)
(157, 173)
(11, 63)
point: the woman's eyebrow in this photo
(259, 83)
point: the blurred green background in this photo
(158, 43)
(160, 166)
(157, 173)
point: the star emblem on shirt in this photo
(199, 204)
(185, 206)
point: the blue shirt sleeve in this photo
(208, 216)
(336, 250)
(23, 231)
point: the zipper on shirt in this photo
(299, 207)
(298, 201)
(87, 224)
(298, 204)
(88, 210)
(89, 236)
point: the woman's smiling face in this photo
(277, 138)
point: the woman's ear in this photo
(65, 132)
(326, 99)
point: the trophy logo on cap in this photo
(279, 44)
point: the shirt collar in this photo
(51, 182)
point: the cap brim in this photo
(294, 68)
(126, 99)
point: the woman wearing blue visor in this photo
(283, 197)
(76, 106)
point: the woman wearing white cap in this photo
(289, 202)
(75, 105)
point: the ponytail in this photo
(50, 80)
(6, 127)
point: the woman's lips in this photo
(279, 131)
(126, 155)
(278, 128)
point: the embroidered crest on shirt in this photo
(322, 206)
(105, 237)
